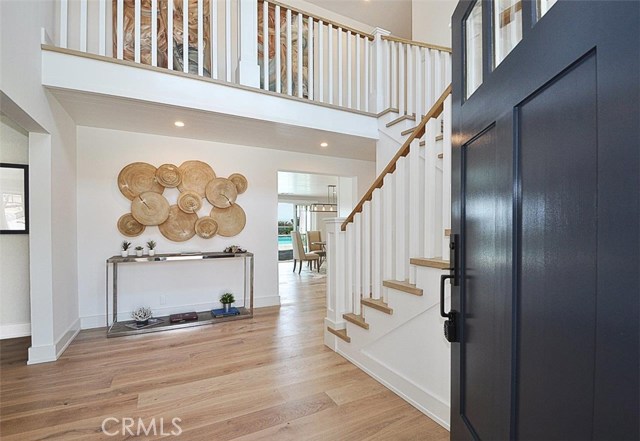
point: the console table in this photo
(117, 328)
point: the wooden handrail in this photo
(317, 18)
(434, 112)
(417, 43)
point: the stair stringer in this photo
(420, 376)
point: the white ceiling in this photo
(304, 185)
(110, 112)
(392, 15)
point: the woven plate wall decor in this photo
(190, 202)
(137, 178)
(168, 175)
(231, 221)
(150, 208)
(130, 227)
(195, 176)
(179, 226)
(206, 227)
(221, 193)
(240, 182)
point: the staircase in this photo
(385, 261)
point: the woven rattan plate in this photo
(240, 182)
(168, 175)
(190, 202)
(195, 176)
(130, 227)
(206, 227)
(150, 208)
(137, 178)
(231, 221)
(179, 226)
(221, 193)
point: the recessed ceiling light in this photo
(179, 124)
(324, 144)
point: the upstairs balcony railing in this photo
(292, 52)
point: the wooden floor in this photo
(269, 378)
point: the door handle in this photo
(450, 325)
(443, 279)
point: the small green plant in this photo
(151, 244)
(139, 248)
(125, 245)
(227, 297)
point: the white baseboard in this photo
(262, 302)
(15, 330)
(49, 353)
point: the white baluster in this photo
(154, 33)
(376, 243)
(310, 59)
(265, 45)
(338, 295)
(388, 225)
(430, 185)
(330, 62)
(419, 84)
(213, 18)
(278, 48)
(169, 35)
(357, 267)
(320, 94)
(447, 68)
(300, 58)
(410, 80)
(64, 17)
(102, 27)
(388, 86)
(136, 30)
(437, 74)
(366, 250)
(349, 76)
(358, 71)
(83, 25)
(446, 175)
(428, 80)
(401, 220)
(200, 38)
(340, 62)
(289, 52)
(367, 72)
(119, 30)
(185, 35)
(416, 187)
(227, 39)
(394, 74)
(402, 103)
(350, 259)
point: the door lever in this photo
(443, 278)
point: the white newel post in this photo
(380, 81)
(336, 292)
(248, 69)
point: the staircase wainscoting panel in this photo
(384, 267)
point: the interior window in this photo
(544, 6)
(473, 43)
(507, 25)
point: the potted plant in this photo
(227, 299)
(139, 250)
(125, 248)
(142, 315)
(152, 247)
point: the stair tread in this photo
(377, 304)
(340, 333)
(408, 131)
(357, 320)
(402, 285)
(434, 262)
(439, 137)
(447, 232)
(423, 143)
(387, 110)
(400, 119)
(440, 155)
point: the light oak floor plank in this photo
(265, 378)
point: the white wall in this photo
(430, 21)
(15, 319)
(52, 156)
(101, 155)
